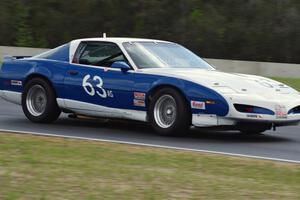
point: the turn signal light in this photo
(210, 102)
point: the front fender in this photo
(214, 103)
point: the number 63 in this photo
(88, 87)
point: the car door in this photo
(92, 86)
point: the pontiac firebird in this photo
(146, 80)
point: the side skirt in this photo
(13, 97)
(94, 110)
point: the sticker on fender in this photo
(139, 103)
(198, 105)
(139, 95)
(16, 82)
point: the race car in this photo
(153, 81)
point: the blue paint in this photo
(62, 54)
(23, 68)
(258, 110)
(191, 91)
(121, 65)
(122, 84)
(59, 54)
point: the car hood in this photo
(227, 82)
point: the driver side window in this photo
(98, 54)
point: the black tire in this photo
(50, 111)
(181, 122)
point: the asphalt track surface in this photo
(282, 145)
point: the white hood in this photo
(240, 83)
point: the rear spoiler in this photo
(9, 58)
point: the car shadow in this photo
(139, 129)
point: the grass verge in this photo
(293, 82)
(51, 168)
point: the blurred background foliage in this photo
(264, 30)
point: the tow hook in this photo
(274, 127)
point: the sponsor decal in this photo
(254, 116)
(139, 95)
(16, 83)
(139, 103)
(206, 115)
(198, 105)
(280, 112)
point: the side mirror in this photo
(121, 65)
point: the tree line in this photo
(264, 30)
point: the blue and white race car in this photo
(152, 81)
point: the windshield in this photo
(163, 55)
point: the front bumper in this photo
(288, 102)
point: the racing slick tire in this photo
(169, 113)
(39, 102)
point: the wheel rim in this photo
(165, 111)
(36, 100)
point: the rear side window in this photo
(60, 53)
(98, 54)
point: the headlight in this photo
(225, 90)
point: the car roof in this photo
(119, 40)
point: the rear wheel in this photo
(39, 102)
(169, 113)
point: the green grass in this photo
(51, 168)
(293, 82)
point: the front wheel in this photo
(39, 102)
(169, 113)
